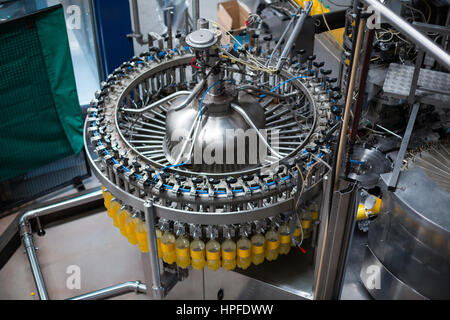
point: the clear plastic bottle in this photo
(122, 216)
(258, 242)
(168, 247)
(107, 197)
(158, 241)
(198, 254)
(182, 251)
(141, 236)
(113, 209)
(285, 238)
(130, 229)
(244, 250)
(228, 254)
(272, 245)
(213, 254)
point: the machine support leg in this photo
(157, 288)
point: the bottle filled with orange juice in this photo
(197, 249)
(258, 244)
(212, 249)
(182, 246)
(168, 245)
(272, 244)
(244, 249)
(141, 236)
(228, 251)
(285, 238)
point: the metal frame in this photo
(26, 234)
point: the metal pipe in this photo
(157, 288)
(159, 102)
(195, 13)
(198, 87)
(298, 27)
(26, 233)
(280, 40)
(136, 24)
(412, 33)
(362, 83)
(348, 103)
(250, 122)
(113, 291)
(169, 12)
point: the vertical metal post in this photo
(195, 12)
(169, 12)
(335, 234)
(349, 101)
(157, 288)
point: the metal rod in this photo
(113, 291)
(136, 24)
(195, 13)
(297, 29)
(26, 233)
(362, 83)
(412, 33)
(250, 122)
(404, 145)
(349, 101)
(157, 103)
(280, 40)
(157, 288)
(169, 12)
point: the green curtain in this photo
(40, 116)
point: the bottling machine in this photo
(236, 164)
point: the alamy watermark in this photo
(73, 281)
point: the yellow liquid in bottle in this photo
(244, 250)
(306, 225)
(130, 229)
(168, 247)
(258, 242)
(122, 216)
(114, 208)
(213, 254)
(285, 239)
(141, 237)
(229, 254)
(158, 242)
(107, 196)
(272, 245)
(182, 251)
(198, 254)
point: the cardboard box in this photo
(232, 15)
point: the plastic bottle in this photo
(272, 245)
(168, 247)
(229, 254)
(213, 254)
(285, 238)
(130, 229)
(107, 196)
(141, 236)
(244, 250)
(198, 254)
(113, 209)
(122, 216)
(182, 251)
(258, 242)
